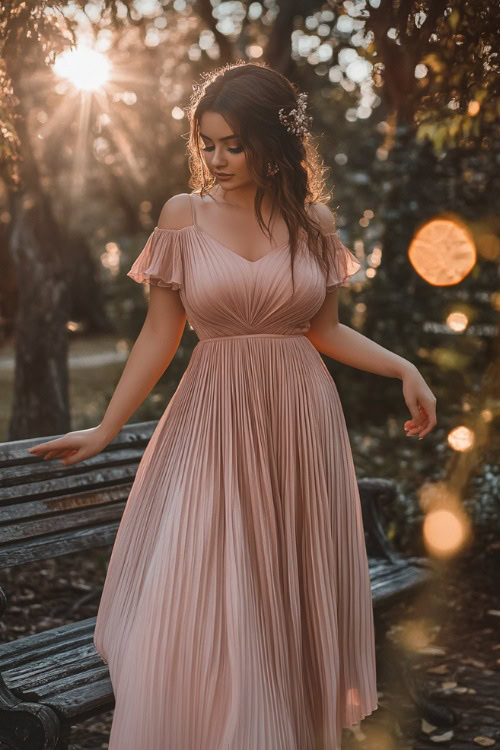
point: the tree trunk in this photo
(40, 401)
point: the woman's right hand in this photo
(73, 447)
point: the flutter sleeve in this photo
(343, 263)
(160, 261)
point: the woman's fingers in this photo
(68, 460)
(52, 449)
(72, 447)
(61, 453)
(414, 426)
(44, 447)
(427, 428)
(431, 421)
(424, 424)
(421, 402)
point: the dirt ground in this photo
(456, 626)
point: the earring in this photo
(272, 170)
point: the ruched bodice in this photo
(226, 294)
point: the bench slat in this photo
(46, 507)
(27, 648)
(89, 516)
(84, 701)
(58, 688)
(55, 545)
(60, 482)
(378, 566)
(38, 676)
(388, 589)
(90, 670)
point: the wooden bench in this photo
(55, 679)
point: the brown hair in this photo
(249, 96)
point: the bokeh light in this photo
(444, 532)
(457, 321)
(443, 251)
(461, 438)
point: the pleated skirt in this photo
(236, 612)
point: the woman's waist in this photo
(237, 336)
(257, 350)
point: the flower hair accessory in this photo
(296, 121)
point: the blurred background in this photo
(404, 96)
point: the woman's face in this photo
(223, 152)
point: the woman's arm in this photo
(350, 347)
(151, 354)
(332, 338)
(157, 342)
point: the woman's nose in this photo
(218, 160)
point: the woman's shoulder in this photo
(176, 213)
(323, 215)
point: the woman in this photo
(236, 612)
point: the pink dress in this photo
(236, 612)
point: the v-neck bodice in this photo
(197, 226)
(233, 252)
(224, 294)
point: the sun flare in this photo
(87, 69)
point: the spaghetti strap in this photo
(193, 214)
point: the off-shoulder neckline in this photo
(195, 226)
(228, 249)
(221, 244)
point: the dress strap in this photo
(193, 212)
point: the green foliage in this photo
(10, 142)
(459, 96)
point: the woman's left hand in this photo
(421, 402)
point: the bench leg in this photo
(64, 740)
(26, 726)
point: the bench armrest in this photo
(373, 493)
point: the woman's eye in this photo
(236, 150)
